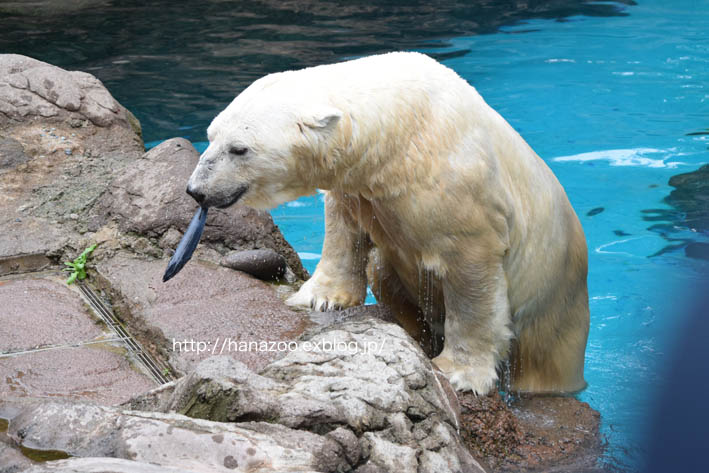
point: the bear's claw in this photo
(317, 297)
(479, 380)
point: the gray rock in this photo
(389, 456)
(326, 319)
(31, 88)
(357, 396)
(44, 178)
(172, 440)
(11, 459)
(170, 239)
(263, 264)
(150, 199)
(12, 154)
(363, 383)
(102, 465)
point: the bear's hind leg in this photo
(340, 278)
(548, 354)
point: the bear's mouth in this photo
(233, 198)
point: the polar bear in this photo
(431, 195)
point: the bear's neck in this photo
(361, 160)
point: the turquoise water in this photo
(607, 102)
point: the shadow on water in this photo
(176, 63)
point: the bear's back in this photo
(371, 78)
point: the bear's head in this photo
(266, 148)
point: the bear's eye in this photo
(238, 150)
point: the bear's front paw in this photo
(316, 295)
(478, 379)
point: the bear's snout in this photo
(196, 194)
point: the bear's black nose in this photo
(196, 195)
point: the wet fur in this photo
(464, 230)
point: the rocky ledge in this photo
(356, 396)
(119, 374)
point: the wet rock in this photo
(690, 188)
(58, 315)
(263, 264)
(534, 434)
(691, 197)
(363, 383)
(690, 202)
(150, 199)
(50, 347)
(173, 440)
(98, 373)
(204, 310)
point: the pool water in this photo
(176, 63)
(608, 103)
(611, 95)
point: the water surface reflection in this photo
(176, 63)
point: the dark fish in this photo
(187, 245)
(595, 211)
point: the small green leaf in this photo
(78, 266)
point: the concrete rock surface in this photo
(204, 310)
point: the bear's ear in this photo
(323, 119)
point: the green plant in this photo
(78, 266)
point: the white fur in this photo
(418, 165)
